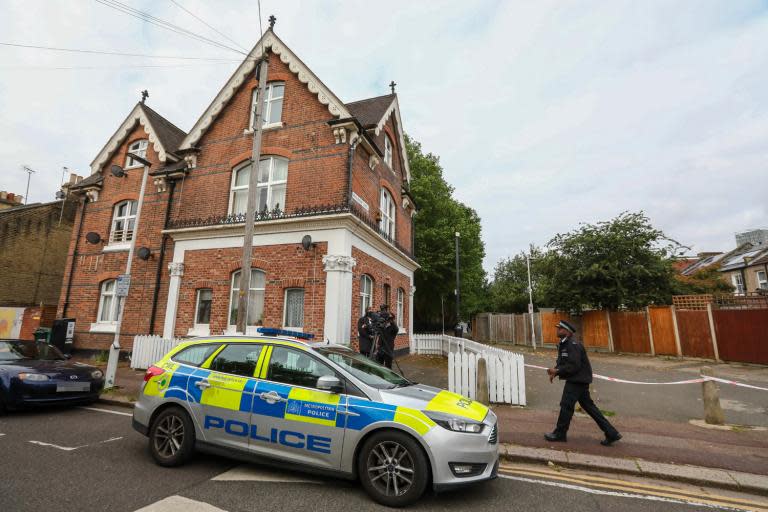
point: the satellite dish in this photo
(306, 242)
(117, 171)
(144, 253)
(60, 194)
(92, 237)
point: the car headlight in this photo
(455, 423)
(33, 377)
(96, 374)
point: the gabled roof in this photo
(164, 136)
(304, 74)
(369, 112)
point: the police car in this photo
(318, 406)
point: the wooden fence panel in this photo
(503, 328)
(594, 329)
(522, 331)
(663, 329)
(482, 327)
(548, 321)
(695, 337)
(742, 334)
(630, 332)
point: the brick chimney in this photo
(9, 200)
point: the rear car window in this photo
(239, 359)
(194, 355)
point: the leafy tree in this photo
(622, 263)
(439, 217)
(707, 280)
(508, 293)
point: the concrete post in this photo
(610, 331)
(650, 329)
(712, 331)
(713, 413)
(677, 332)
(482, 381)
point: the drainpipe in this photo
(350, 161)
(160, 260)
(74, 259)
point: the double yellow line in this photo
(634, 487)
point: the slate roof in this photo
(738, 261)
(169, 134)
(369, 112)
(93, 179)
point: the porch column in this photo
(176, 270)
(338, 297)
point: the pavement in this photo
(659, 441)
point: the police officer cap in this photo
(567, 326)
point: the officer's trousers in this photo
(572, 393)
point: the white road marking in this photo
(247, 473)
(107, 410)
(613, 493)
(73, 448)
(180, 504)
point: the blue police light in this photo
(272, 331)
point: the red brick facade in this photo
(202, 243)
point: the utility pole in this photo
(530, 298)
(29, 172)
(124, 282)
(458, 287)
(250, 212)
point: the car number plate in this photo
(69, 387)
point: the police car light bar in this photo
(272, 331)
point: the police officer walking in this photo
(573, 367)
(386, 349)
(365, 332)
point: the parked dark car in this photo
(39, 374)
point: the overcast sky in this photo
(544, 114)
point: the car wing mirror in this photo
(330, 383)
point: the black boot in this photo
(555, 437)
(609, 440)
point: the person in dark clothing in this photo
(573, 367)
(365, 331)
(389, 330)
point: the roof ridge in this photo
(162, 117)
(370, 99)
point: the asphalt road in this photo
(91, 459)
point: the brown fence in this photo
(740, 334)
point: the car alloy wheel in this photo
(172, 437)
(169, 436)
(390, 468)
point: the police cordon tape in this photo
(689, 381)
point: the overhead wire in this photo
(148, 18)
(120, 54)
(198, 18)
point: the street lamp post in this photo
(114, 350)
(530, 301)
(458, 288)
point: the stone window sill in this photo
(266, 127)
(103, 327)
(117, 247)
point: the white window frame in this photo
(114, 304)
(388, 150)
(125, 235)
(388, 210)
(235, 285)
(298, 328)
(270, 183)
(738, 283)
(139, 148)
(762, 282)
(197, 307)
(399, 310)
(366, 297)
(269, 105)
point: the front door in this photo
(292, 419)
(224, 394)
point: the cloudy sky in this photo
(544, 114)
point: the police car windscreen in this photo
(364, 369)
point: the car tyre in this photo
(393, 469)
(172, 437)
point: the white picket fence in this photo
(150, 349)
(506, 370)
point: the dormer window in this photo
(388, 150)
(138, 148)
(273, 104)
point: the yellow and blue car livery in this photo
(265, 414)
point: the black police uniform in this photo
(386, 350)
(573, 367)
(365, 334)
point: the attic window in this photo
(273, 104)
(139, 148)
(388, 150)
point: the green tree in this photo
(707, 280)
(439, 217)
(508, 293)
(622, 263)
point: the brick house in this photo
(334, 171)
